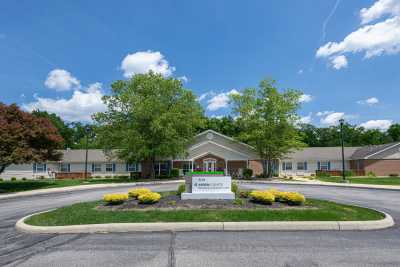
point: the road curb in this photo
(82, 188)
(206, 226)
(358, 186)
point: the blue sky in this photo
(62, 56)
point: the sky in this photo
(344, 55)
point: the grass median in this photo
(363, 180)
(318, 210)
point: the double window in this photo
(287, 166)
(133, 167)
(324, 165)
(302, 166)
(65, 167)
(110, 167)
(96, 167)
(39, 167)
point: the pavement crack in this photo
(171, 254)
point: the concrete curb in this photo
(83, 187)
(359, 186)
(206, 226)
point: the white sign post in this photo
(210, 187)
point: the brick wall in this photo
(382, 167)
(256, 166)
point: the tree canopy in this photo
(267, 118)
(149, 117)
(26, 138)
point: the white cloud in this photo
(370, 101)
(144, 61)
(306, 119)
(220, 100)
(379, 9)
(205, 95)
(304, 98)
(61, 80)
(382, 125)
(80, 107)
(300, 71)
(339, 62)
(323, 113)
(381, 38)
(332, 118)
(183, 78)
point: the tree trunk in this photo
(152, 171)
(269, 162)
(2, 168)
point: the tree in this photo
(149, 118)
(225, 125)
(394, 132)
(268, 120)
(63, 128)
(25, 138)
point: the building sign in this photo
(211, 184)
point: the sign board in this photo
(211, 184)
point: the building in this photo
(212, 151)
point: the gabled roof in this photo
(321, 153)
(78, 155)
(374, 151)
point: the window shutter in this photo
(329, 165)
(113, 167)
(319, 166)
(305, 165)
(45, 167)
(126, 167)
(69, 167)
(138, 167)
(92, 167)
(34, 167)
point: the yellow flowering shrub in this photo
(135, 193)
(149, 198)
(277, 194)
(293, 198)
(263, 197)
(115, 198)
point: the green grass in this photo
(18, 186)
(363, 180)
(204, 172)
(85, 213)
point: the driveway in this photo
(289, 248)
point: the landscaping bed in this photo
(167, 207)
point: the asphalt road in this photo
(289, 248)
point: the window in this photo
(110, 167)
(134, 167)
(302, 166)
(324, 166)
(64, 167)
(186, 167)
(39, 167)
(96, 167)
(287, 166)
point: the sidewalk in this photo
(302, 181)
(82, 187)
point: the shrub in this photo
(23, 178)
(1, 179)
(323, 174)
(135, 193)
(293, 198)
(235, 188)
(149, 198)
(263, 197)
(247, 173)
(181, 189)
(394, 175)
(41, 177)
(244, 194)
(115, 199)
(13, 178)
(277, 194)
(175, 172)
(238, 202)
(349, 173)
(371, 174)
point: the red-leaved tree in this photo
(25, 138)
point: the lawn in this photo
(17, 186)
(85, 213)
(364, 180)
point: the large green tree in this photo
(267, 118)
(25, 138)
(394, 132)
(149, 117)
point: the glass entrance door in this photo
(209, 165)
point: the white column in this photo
(226, 167)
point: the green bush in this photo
(181, 189)
(41, 177)
(247, 173)
(244, 194)
(262, 197)
(1, 179)
(371, 174)
(349, 173)
(235, 188)
(322, 174)
(135, 175)
(175, 172)
(13, 178)
(238, 202)
(394, 175)
(24, 179)
(149, 198)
